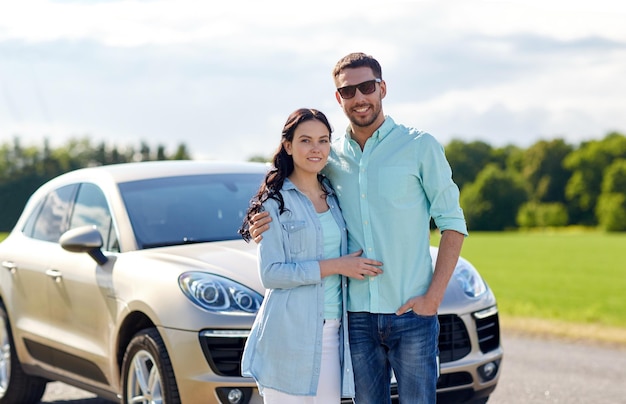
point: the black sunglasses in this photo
(366, 87)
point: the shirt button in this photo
(363, 196)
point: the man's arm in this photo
(447, 258)
(259, 223)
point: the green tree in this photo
(24, 169)
(588, 164)
(611, 206)
(611, 211)
(492, 201)
(467, 160)
(544, 172)
(546, 214)
(181, 153)
(260, 159)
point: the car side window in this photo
(51, 220)
(29, 225)
(91, 209)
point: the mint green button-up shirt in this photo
(388, 192)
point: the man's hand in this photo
(447, 257)
(419, 305)
(258, 224)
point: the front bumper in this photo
(197, 381)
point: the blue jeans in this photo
(406, 344)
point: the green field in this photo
(571, 276)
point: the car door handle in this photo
(54, 274)
(9, 266)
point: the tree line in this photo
(24, 168)
(550, 184)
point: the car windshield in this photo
(188, 209)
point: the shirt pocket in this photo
(394, 183)
(296, 235)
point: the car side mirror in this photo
(84, 239)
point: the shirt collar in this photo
(380, 133)
(288, 185)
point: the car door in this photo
(82, 303)
(32, 249)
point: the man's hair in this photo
(358, 59)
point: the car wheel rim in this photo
(5, 357)
(144, 380)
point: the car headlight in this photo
(214, 293)
(469, 280)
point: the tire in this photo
(16, 387)
(147, 373)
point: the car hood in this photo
(236, 260)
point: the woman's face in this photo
(310, 146)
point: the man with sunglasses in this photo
(391, 180)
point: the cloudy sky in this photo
(222, 76)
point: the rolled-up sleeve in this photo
(442, 193)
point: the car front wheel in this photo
(148, 376)
(15, 385)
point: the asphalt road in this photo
(540, 370)
(534, 370)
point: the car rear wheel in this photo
(15, 385)
(148, 376)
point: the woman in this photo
(298, 349)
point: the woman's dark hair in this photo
(282, 167)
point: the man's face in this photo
(363, 110)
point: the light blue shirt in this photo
(388, 192)
(284, 349)
(332, 283)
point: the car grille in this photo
(223, 354)
(488, 330)
(454, 342)
(448, 380)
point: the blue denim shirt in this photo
(284, 349)
(388, 192)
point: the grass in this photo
(568, 283)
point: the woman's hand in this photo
(351, 265)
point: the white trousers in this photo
(329, 387)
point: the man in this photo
(390, 180)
